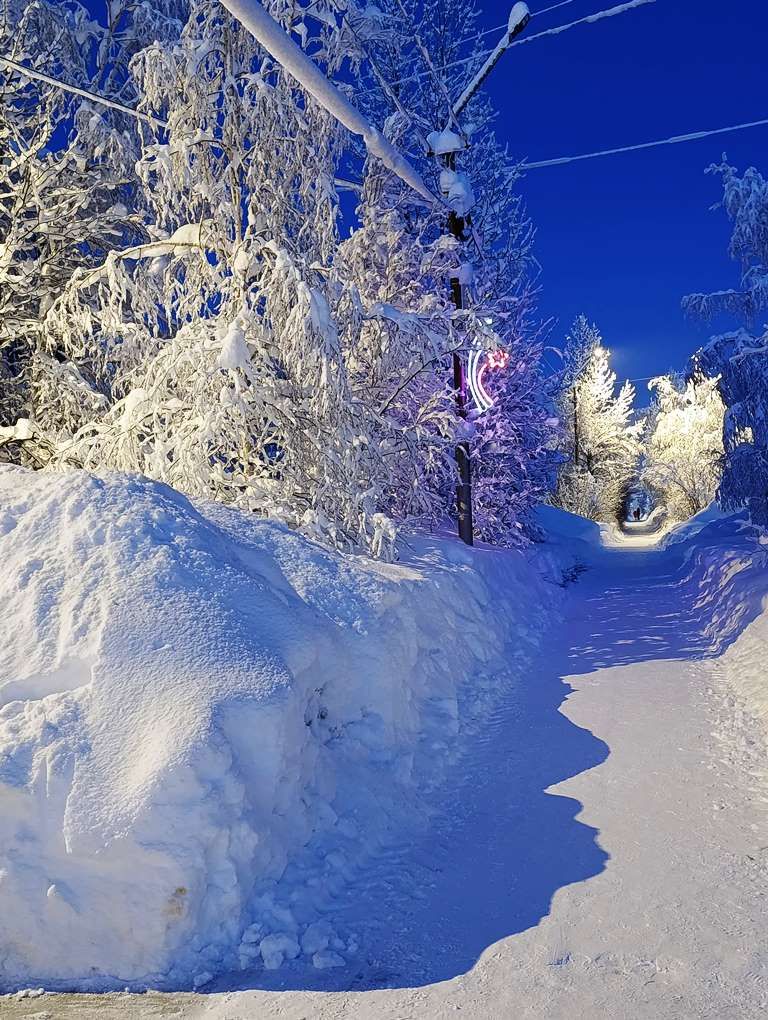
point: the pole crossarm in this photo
(292, 58)
(518, 20)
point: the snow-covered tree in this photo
(224, 351)
(740, 357)
(599, 440)
(215, 334)
(210, 355)
(684, 445)
(745, 200)
(66, 173)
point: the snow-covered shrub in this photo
(599, 440)
(740, 357)
(684, 445)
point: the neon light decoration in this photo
(480, 364)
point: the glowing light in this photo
(480, 364)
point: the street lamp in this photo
(519, 17)
(457, 192)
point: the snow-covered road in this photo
(601, 857)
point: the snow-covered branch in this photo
(275, 40)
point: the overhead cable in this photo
(674, 140)
(534, 14)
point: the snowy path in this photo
(657, 889)
(608, 860)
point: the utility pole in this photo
(458, 195)
(456, 226)
(576, 443)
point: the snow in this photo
(604, 860)
(597, 846)
(276, 948)
(234, 349)
(594, 845)
(23, 429)
(326, 958)
(208, 724)
(517, 16)
(444, 142)
(179, 243)
(457, 191)
(130, 405)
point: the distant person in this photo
(636, 514)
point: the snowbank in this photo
(683, 532)
(572, 544)
(726, 566)
(742, 610)
(206, 719)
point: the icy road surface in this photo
(601, 857)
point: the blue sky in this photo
(623, 238)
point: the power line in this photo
(589, 19)
(534, 14)
(30, 72)
(340, 182)
(674, 140)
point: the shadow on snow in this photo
(487, 867)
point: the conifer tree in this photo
(600, 442)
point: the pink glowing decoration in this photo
(480, 364)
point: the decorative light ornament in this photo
(480, 364)
(498, 359)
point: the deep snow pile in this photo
(730, 558)
(206, 720)
(726, 572)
